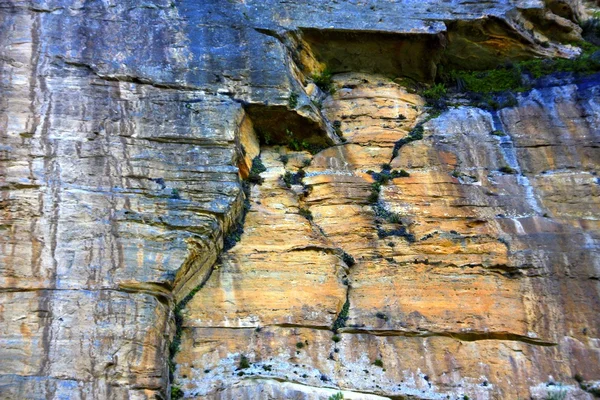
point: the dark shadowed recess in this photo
(279, 125)
(466, 45)
(411, 55)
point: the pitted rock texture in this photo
(126, 129)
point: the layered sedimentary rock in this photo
(126, 129)
(471, 290)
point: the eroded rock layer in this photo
(127, 129)
(468, 278)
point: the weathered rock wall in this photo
(480, 284)
(125, 130)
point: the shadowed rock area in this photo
(146, 253)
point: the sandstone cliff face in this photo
(126, 129)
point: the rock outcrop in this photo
(127, 129)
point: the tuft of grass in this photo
(340, 321)
(435, 92)
(399, 232)
(509, 78)
(507, 170)
(498, 133)
(302, 145)
(415, 134)
(378, 363)
(176, 393)
(257, 168)
(584, 64)
(492, 81)
(234, 236)
(293, 100)
(394, 218)
(400, 174)
(323, 80)
(337, 126)
(436, 98)
(560, 394)
(348, 259)
(244, 363)
(264, 136)
(375, 189)
(337, 396)
(175, 194)
(382, 316)
(305, 212)
(336, 338)
(300, 345)
(293, 179)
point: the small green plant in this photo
(498, 133)
(560, 394)
(293, 100)
(394, 218)
(300, 345)
(378, 363)
(340, 322)
(435, 97)
(509, 77)
(491, 81)
(375, 189)
(382, 316)
(305, 212)
(284, 159)
(263, 136)
(337, 396)
(287, 179)
(175, 194)
(323, 80)
(465, 397)
(337, 126)
(507, 170)
(176, 393)
(300, 145)
(336, 338)
(415, 134)
(257, 168)
(293, 179)
(244, 363)
(436, 92)
(348, 259)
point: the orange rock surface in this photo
(462, 285)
